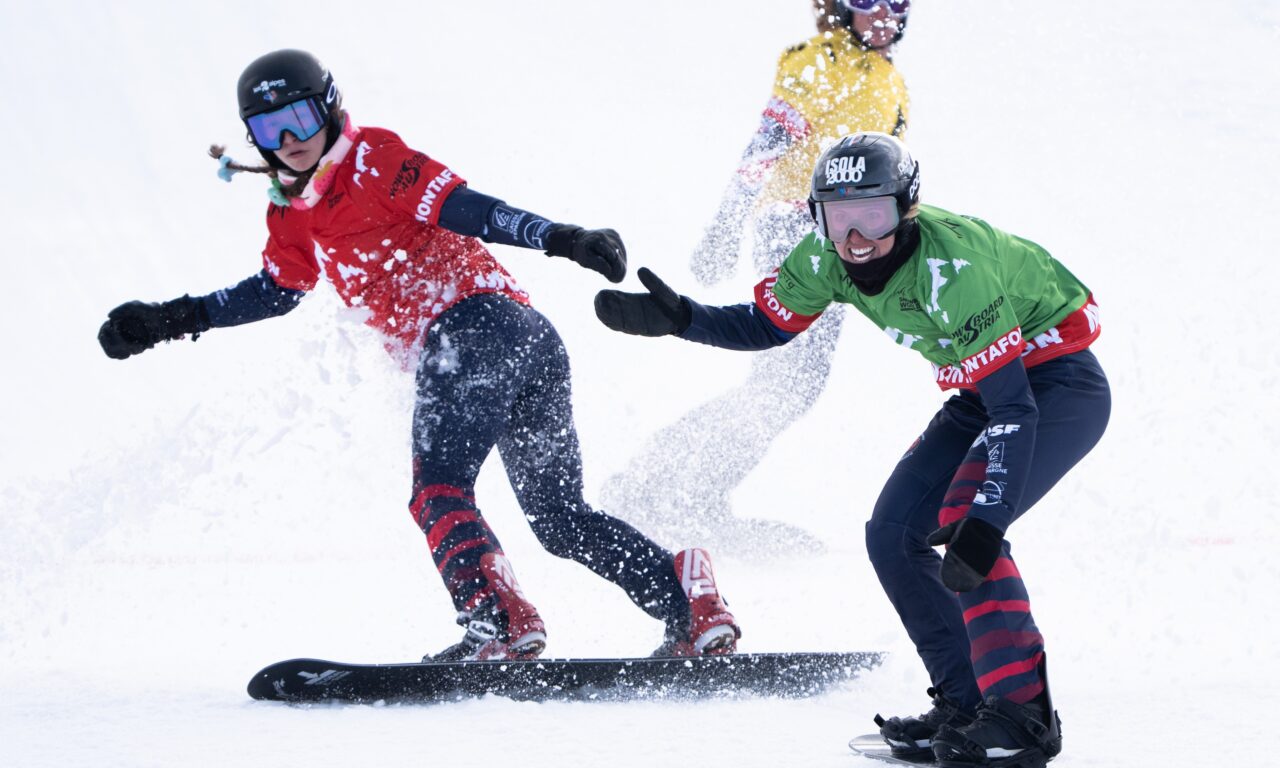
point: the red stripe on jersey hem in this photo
(1075, 332)
(997, 355)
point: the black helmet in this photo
(283, 77)
(861, 165)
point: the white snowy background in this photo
(172, 523)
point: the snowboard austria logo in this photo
(267, 89)
(408, 175)
(972, 328)
(846, 170)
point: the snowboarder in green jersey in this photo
(1007, 328)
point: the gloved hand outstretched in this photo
(973, 546)
(660, 312)
(597, 249)
(136, 326)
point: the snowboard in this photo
(789, 675)
(873, 746)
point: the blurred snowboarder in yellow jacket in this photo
(840, 81)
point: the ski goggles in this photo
(898, 9)
(873, 217)
(304, 119)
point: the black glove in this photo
(660, 312)
(598, 249)
(972, 551)
(137, 326)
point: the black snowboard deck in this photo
(787, 675)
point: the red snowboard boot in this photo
(712, 630)
(508, 628)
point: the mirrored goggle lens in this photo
(896, 9)
(873, 217)
(301, 118)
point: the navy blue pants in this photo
(494, 372)
(981, 642)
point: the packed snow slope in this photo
(171, 523)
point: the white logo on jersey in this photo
(1092, 313)
(429, 195)
(902, 337)
(846, 170)
(361, 151)
(1043, 340)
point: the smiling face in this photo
(301, 156)
(857, 249)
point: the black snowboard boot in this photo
(911, 738)
(1005, 735)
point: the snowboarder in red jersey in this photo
(398, 234)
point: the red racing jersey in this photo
(368, 224)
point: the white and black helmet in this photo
(862, 165)
(282, 77)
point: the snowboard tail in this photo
(789, 675)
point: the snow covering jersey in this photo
(970, 299)
(825, 88)
(374, 235)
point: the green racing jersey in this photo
(970, 299)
